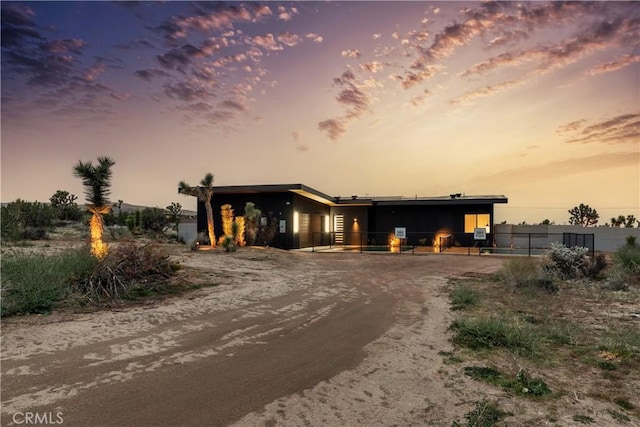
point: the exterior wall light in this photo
(296, 222)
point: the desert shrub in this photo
(463, 296)
(592, 267)
(528, 272)
(488, 332)
(127, 271)
(229, 244)
(35, 233)
(522, 383)
(153, 219)
(567, 262)
(628, 256)
(34, 283)
(485, 414)
(26, 220)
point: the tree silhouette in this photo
(583, 215)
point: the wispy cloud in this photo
(621, 129)
(615, 65)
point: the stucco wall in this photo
(606, 239)
(187, 231)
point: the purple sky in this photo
(536, 101)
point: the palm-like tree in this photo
(204, 192)
(96, 180)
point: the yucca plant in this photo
(204, 192)
(96, 180)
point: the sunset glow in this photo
(536, 101)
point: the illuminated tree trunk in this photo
(227, 219)
(99, 248)
(240, 238)
(212, 235)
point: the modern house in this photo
(304, 217)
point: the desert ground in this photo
(271, 338)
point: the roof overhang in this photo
(300, 189)
(441, 201)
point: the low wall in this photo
(187, 232)
(606, 239)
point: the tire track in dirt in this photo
(297, 326)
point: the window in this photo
(338, 228)
(472, 221)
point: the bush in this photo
(628, 257)
(592, 267)
(528, 272)
(35, 283)
(128, 271)
(486, 332)
(228, 244)
(567, 262)
(35, 233)
(153, 219)
(26, 220)
(463, 296)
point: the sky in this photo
(536, 101)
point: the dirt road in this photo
(284, 339)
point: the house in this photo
(304, 217)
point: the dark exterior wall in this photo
(316, 211)
(425, 219)
(354, 232)
(279, 205)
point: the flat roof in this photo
(313, 194)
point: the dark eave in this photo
(301, 189)
(423, 201)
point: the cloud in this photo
(571, 127)
(614, 65)
(267, 42)
(488, 90)
(353, 97)
(91, 74)
(286, 15)
(234, 104)
(335, 128)
(371, 66)
(621, 129)
(186, 91)
(314, 37)
(289, 39)
(298, 144)
(18, 27)
(351, 53)
(212, 16)
(560, 168)
(150, 73)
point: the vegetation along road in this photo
(269, 338)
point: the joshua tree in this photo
(583, 215)
(204, 193)
(175, 210)
(96, 180)
(252, 217)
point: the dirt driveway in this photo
(284, 339)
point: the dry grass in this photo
(586, 339)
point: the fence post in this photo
(529, 245)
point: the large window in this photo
(472, 221)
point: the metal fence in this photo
(526, 244)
